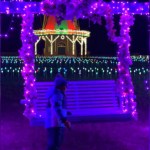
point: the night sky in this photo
(98, 43)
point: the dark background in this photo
(98, 43)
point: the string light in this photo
(11, 27)
(36, 7)
(27, 55)
(91, 68)
(147, 85)
(103, 66)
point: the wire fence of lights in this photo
(73, 68)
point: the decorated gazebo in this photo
(61, 39)
(85, 9)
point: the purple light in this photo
(27, 55)
(36, 7)
(126, 89)
(32, 111)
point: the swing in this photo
(94, 100)
(101, 101)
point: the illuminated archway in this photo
(93, 10)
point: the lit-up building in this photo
(62, 39)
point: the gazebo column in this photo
(73, 45)
(82, 47)
(36, 45)
(81, 42)
(73, 41)
(85, 42)
(52, 50)
(51, 40)
(73, 48)
(43, 38)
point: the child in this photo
(56, 113)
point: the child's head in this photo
(60, 82)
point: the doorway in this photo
(61, 48)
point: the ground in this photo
(17, 134)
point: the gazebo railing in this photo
(63, 32)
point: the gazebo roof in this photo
(50, 23)
(67, 27)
